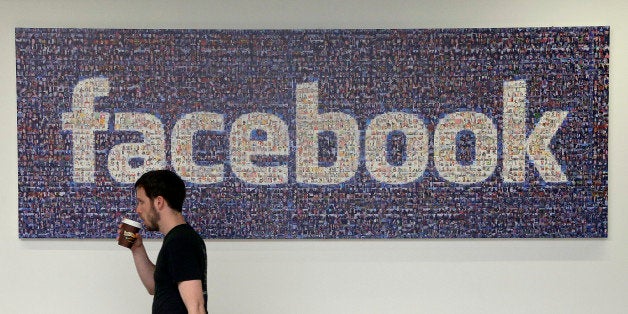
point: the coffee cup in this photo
(129, 230)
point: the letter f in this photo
(83, 122)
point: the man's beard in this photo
(152, 219)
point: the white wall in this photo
(410, 276)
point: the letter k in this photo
(536, 146)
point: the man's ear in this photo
(159, 202)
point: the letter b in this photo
(309, 123)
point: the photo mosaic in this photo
(318, 134)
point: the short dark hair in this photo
(164, 183)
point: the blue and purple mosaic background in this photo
(431, 74)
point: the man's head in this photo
(164, 183)
(158, 187)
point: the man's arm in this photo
(192, 294)
(145, 268)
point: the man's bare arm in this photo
(192, 294)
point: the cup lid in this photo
(132, 223)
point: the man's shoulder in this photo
(183, 231)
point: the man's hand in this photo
(138, 238)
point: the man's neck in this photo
(171, 220)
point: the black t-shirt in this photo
(182, 257)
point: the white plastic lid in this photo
(132, 223)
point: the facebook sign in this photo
(411, 133)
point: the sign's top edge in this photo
(316, 29)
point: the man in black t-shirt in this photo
(178, 280)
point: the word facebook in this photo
(84, 122)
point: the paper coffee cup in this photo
(129, 229)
